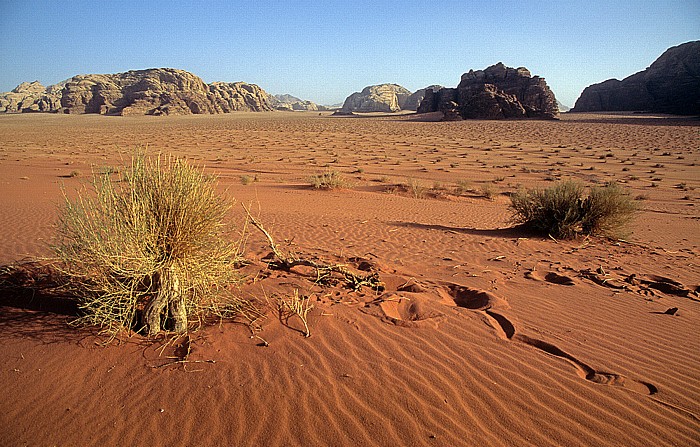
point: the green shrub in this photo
(562, 211)
(146, 248)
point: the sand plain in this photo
(485, 334)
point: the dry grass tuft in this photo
(145, 247)
(562, 211)
(329, 180)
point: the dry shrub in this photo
(562, 211)
(328, 180)
(147, 247)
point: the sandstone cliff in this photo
(494, 93)
(289, 102)
(415, 99)
(670, 85)
(377, 98)
(31, 97)
(156, 91)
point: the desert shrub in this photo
(562, 210)
(146, 247)
(607, 210)
(416, 188)
(328, 180)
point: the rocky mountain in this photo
(289, 102)
(377, 98)
(494, 93)
(415, 99)
(156, 91)
(562, 107)
(670, 85)
(31, 97)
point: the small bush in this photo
(562, 211)
(328, 180)
(147, 248)
(416, 188)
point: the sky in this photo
(325, 50)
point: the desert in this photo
(484, 333)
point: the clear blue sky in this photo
(325, 50)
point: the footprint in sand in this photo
(473, 299)
(551, 277)
(407, 311)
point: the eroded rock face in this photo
(377, 98)
(289, 103)
(413, 101)
(670, 85)
(161, 91)
(239, 96)
(494, 93)
(156, 91)
(31, 97)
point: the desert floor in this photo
(485, 334)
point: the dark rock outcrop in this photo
(670, 85)
(377, 98)
(494, 93)
(155, 91)
(416, 98)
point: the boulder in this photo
(377, 98)
(669, 85)
(494, 93)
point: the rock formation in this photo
(289, 102)
(670, 85)
(31, 97)
(156, 91)
(494, 93)
(229, 97)
(377, 98)
(415, 99)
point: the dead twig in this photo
(287, 261)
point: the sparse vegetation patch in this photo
(148, 249)
(562, 211)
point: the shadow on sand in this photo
(507, 233)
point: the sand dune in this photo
(485, 334)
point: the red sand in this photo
(485, 335)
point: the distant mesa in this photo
(670, 85)
(155, 91)
(494, 93)
(377, 98)
(288, 102)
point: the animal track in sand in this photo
(506, 330)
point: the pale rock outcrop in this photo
(670, 85)
(239, 96)
(289, 103)
(377, 98)
(155, 91)
(31, 97)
